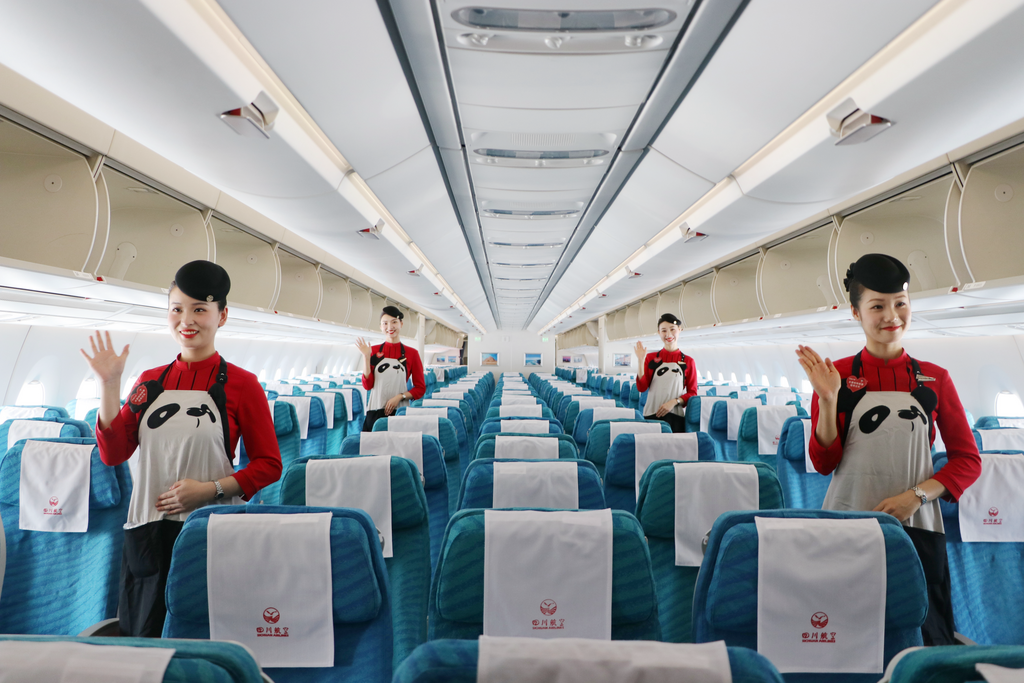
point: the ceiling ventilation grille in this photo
(542, 140)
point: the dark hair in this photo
(669, 318)
(393, 312)
(856, 289)
(221, 303)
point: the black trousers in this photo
(371, 417)
(931, 548)
(676, 422)
(145, 563)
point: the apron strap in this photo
(848, 398)
(147, 392)
(219, 397)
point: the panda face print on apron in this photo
(182, 435)
(389, 379)
(887, 450)
(667, 383)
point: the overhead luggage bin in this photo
(360, 312)
(377, 304)
(51, 204)
(633, 328)
(335, 303)
(251, 263)
(910, 226)
(648, 315)
(696, 302)
(151, 234)
(734, 291)
(990, 217)
(794, 275)
(668, 302)
(300, 286)
(618, 326)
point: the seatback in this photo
(286, 428)
(572, 412)
(997, 422)
(718, 428)
(61, 583)
(409, 566)
(361, 595)
(455, 661)
(454, 415)
(725, 595)
(485, 445)
(469, 420)
(953, 663)
(70, 429)
(620, 469)
(625, 391)
(585, 421)
(496, 412)
(492, 425)
(23, 412)
(692, 416)
(801, 488)
(337, 419)
(315, 442)
(456, 608)
(435, 487)
(193, 660)
(599, 441)
(747, 444)
(987, 582)
(478, 485)
(449, 451)
(656, 510)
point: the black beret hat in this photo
(879, 272)
(203, 280)
(393, 312)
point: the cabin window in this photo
(805, 386)
(277, 374)
(1008, 405)
(783, 381)
(128, 386)
(305, 372)
(747, 379)
(88, 388)
(732, 379)
(721, 378)
(262, 376)
(764, 380)
(32, 394)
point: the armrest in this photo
(108, 628)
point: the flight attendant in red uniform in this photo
(874, 417)
(668, 376)
(186, 419)
(387, 369)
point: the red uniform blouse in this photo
(964, 464)
(689, 376)
(413, 367)
(247, 416)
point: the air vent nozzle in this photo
(497, 19)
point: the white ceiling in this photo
(415, 142)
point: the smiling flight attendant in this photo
(669, 376)
(387, 369)
(874, 417)
(186, 419)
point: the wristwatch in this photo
(679, 399)
(920, 494)
(220, 490)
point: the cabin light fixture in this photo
(372, 232)
(690, 234)
(634, 275)
(254, 120)
(561, 21)
(852, 125)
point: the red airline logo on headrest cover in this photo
(856, 383)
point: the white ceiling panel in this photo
(661, 189)
(976, 90)
(530, 81)
(546, 121)
(528, 232)
(538, 179)
(337, 59)
(780, 58)
(755, 218)
(144, 82)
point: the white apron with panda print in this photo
(887, 452)
(389, 379)
(667, 384)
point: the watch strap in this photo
(220, 490)
(920, 494)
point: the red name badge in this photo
(856, 383)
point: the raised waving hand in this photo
(822, 375)
(108, 366)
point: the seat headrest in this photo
(357, 595)
(285, 420)
(460, 571)
(317, 413)
(656, 500)
(408, 504)
(791, 446)
(104, 489)
(731, 602)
